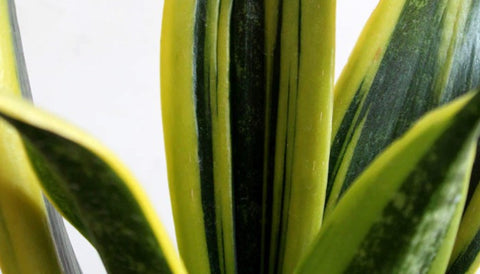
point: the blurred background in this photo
(96, 64)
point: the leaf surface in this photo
(412, 57)
(25, 240)
(247, 106)
(406, 206)
(94, 191)
(465, 255)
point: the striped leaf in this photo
(246, 103)
(465, 256)
(412, 56)
(25, 242)
(65, 254)
(406, 206)
(94, 192)
(300, 50)
(201, 205)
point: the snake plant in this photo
(271, 167)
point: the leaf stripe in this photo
(342, 139)
(345, 141)
(290, 144)
(247, 119)
(284, 193)
(274, 15)
(382, 91)
(411, 203)
(203, 112)
(410, 198)
(244, 145)
(475, 177)
(407, 208)
(464, 261)
(419, 45)
(360, 120)
(464, 74)
(303, 125)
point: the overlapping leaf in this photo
(411, 57)
(403, 211)
(465, 257)
(247, 106)
(94, 192)
(25, 239)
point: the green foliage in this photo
(271, 168)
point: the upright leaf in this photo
(406, 206)
(25, 242)
(412, 56)
(465, 256)
(94, 192)
(65, 254)
(300, 57)
(246, 104)
(194, 72)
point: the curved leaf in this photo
(411, 57)
(465, 257)
(25, 241)
(94, 192)
(63, 247)
(406, 207)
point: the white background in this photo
(96, 64)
